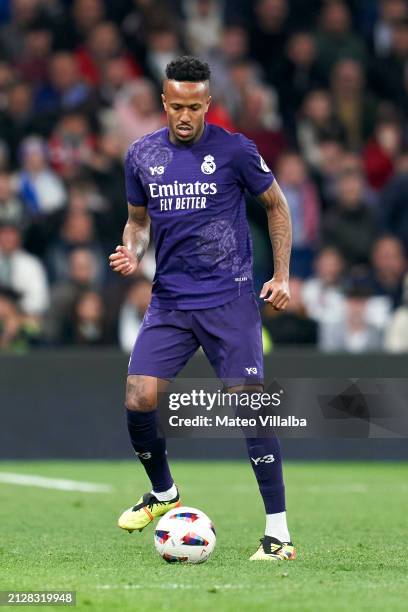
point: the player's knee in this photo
(140, 402)
(140, 397)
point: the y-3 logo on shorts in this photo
(264, 459)
(251, 370)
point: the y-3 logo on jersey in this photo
(156, 170)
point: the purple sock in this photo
(150, 449)
(265, 457)
(266, 461)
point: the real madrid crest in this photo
(208, 166)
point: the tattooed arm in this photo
(135, 239)
(276, 291)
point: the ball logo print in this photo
(208, 166)
(185, 535)
(192, 539)
(162, 536)
(190, 517)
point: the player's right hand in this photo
(123, 261)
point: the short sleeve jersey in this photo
(195, 199)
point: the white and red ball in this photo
(185, 535)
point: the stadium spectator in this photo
(203, 26)
(232, 49)
(145, 16)
(7, 77)
(79, 22)
(71, 144)
(323, 294)
(394, 201)
(105, 168)
(316, 123)
(115, 75)
(269, 33)
(32, 65)
(355, 107)
(17, 119)
(260, 121)
(297, 73)
(304, 206)
(396, 337)
(326, 170)
(132, 312)
(21, 271)
(390, 13)
(137, 112)
(82, 276)
(17, 332)
(389, 265)
(389, 71)
(350, 226)
(103, 43)
(381, 152)
(39, 187)
(11, 206)
(24, 14)
(77, 230)
(293, 326)
(352, 161)
(65, 89)
(163, 46)
(355, 333)
(89, 324)
(335, 37)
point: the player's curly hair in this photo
(188, 68)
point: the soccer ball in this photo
(185, 535)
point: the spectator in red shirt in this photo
(381, 152)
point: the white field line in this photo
(173, 586)
(27, 480)
(355, 487)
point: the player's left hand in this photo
(276, 292)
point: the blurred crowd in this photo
(321, 86)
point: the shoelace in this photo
(154, 502)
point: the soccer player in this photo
(188, 181)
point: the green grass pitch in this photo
(348, 520)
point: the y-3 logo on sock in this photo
(144, 455)
(264, 459)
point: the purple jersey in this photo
(195, 199)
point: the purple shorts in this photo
(230, 335)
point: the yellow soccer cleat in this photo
(272, 549)
(146, 510)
